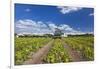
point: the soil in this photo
(73, 54)
(42, 52)
(38, 56)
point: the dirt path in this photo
(38, 56)
(74, 55)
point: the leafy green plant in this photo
(24, 46)
(84, 45)
(57, 54)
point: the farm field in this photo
(47, 34)
(25, 46)
(84, 45)
(69, 49)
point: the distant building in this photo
(65, 35)
(18, 35)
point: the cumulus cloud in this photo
(27, 10)
(91, 14)
(65, 27)
(66, 10)
(30, 26)
(39, 27)
(52, 27)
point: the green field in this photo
(84, 45)
(24, 46)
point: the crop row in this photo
(57, 54)
(84, 45)
(25, 47)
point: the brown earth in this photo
(38, 56)
(42, 52)
(73, 54)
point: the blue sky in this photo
(40, 19)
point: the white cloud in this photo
(39, 27)
(65, 9)
(52, 27)
(91, 14)
(30, 26)
(27, 10)
(65, 27)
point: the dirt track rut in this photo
(73, 54)
(38, 56)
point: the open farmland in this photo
(25, 46)
(36, 50)
(83, 45)
(47, 34)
